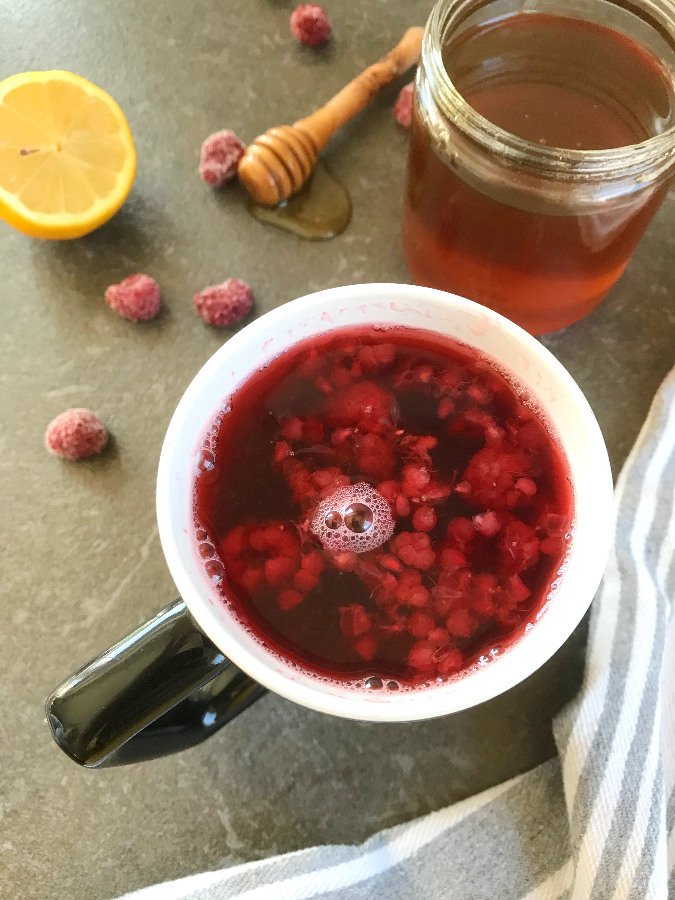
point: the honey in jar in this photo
(542, 145)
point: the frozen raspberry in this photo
(450, 661)
(412, 445)
(292, 429)
(452, 559)
(491, 476)
(552, 545)
(224, 304)
(278, 569)
(282, 450)
(487, 523)
(403, 108)
(354, 621)
(424, 519)
(76, 433)
(480, 394)
(376, 356)
(517, 589)
(345, 561)
(268, 555)
(519, 546)
(421, 655)
(461, 532)
(251, 579)
(391, 564)
(410, 591)
(402, 506)
(414, 549)
(310, 25)
(136, 298)
(305, 581)
(420, 624)
(364, 404)
(288, 599)
(484, 594)
(526, 486)
(479, 422)
(460, 624)
(415, 479)
(439, 637)
(374, 455)
(366, 646)
(219, 157)
(445, 407)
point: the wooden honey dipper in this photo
(278, 163)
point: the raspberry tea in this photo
(383, 507)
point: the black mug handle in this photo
(163, 688)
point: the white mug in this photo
(222, 647)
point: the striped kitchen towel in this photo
(597, 822)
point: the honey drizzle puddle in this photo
(321, 210)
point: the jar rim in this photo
(657, 151)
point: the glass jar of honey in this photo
(543, 142)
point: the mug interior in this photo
(518, 353)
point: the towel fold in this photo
(596, 823)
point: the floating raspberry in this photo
(374, 455)
(424, 519)
(551, 530)
(460, 624)
(410, 591)
(445, 407)
(414, 549)
(517, 588)
(310, 25)
(136, 298)
(376, 356)
(219, 158)
(483, 593)
(76, 433)
(366, 646)
(307, 486)
(403, 108)
(289, 599)
(422, 655)
(354, 621)
(487, 523)
(224, 304)
(526, 486)
(449, 662)
(415, 479)
(461, 532)
(418, 447)
(439, 637)
(398, 502)
(420, 624)
(452, 559)
(269, 556)
(519, 546)
(491, 475)
(365, 405)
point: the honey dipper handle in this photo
(356, 95)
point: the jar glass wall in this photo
(543, 142)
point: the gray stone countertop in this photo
(81, 561)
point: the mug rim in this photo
(552, 625)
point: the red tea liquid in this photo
(469, 527)
(557, 81)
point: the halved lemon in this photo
(67, 158)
